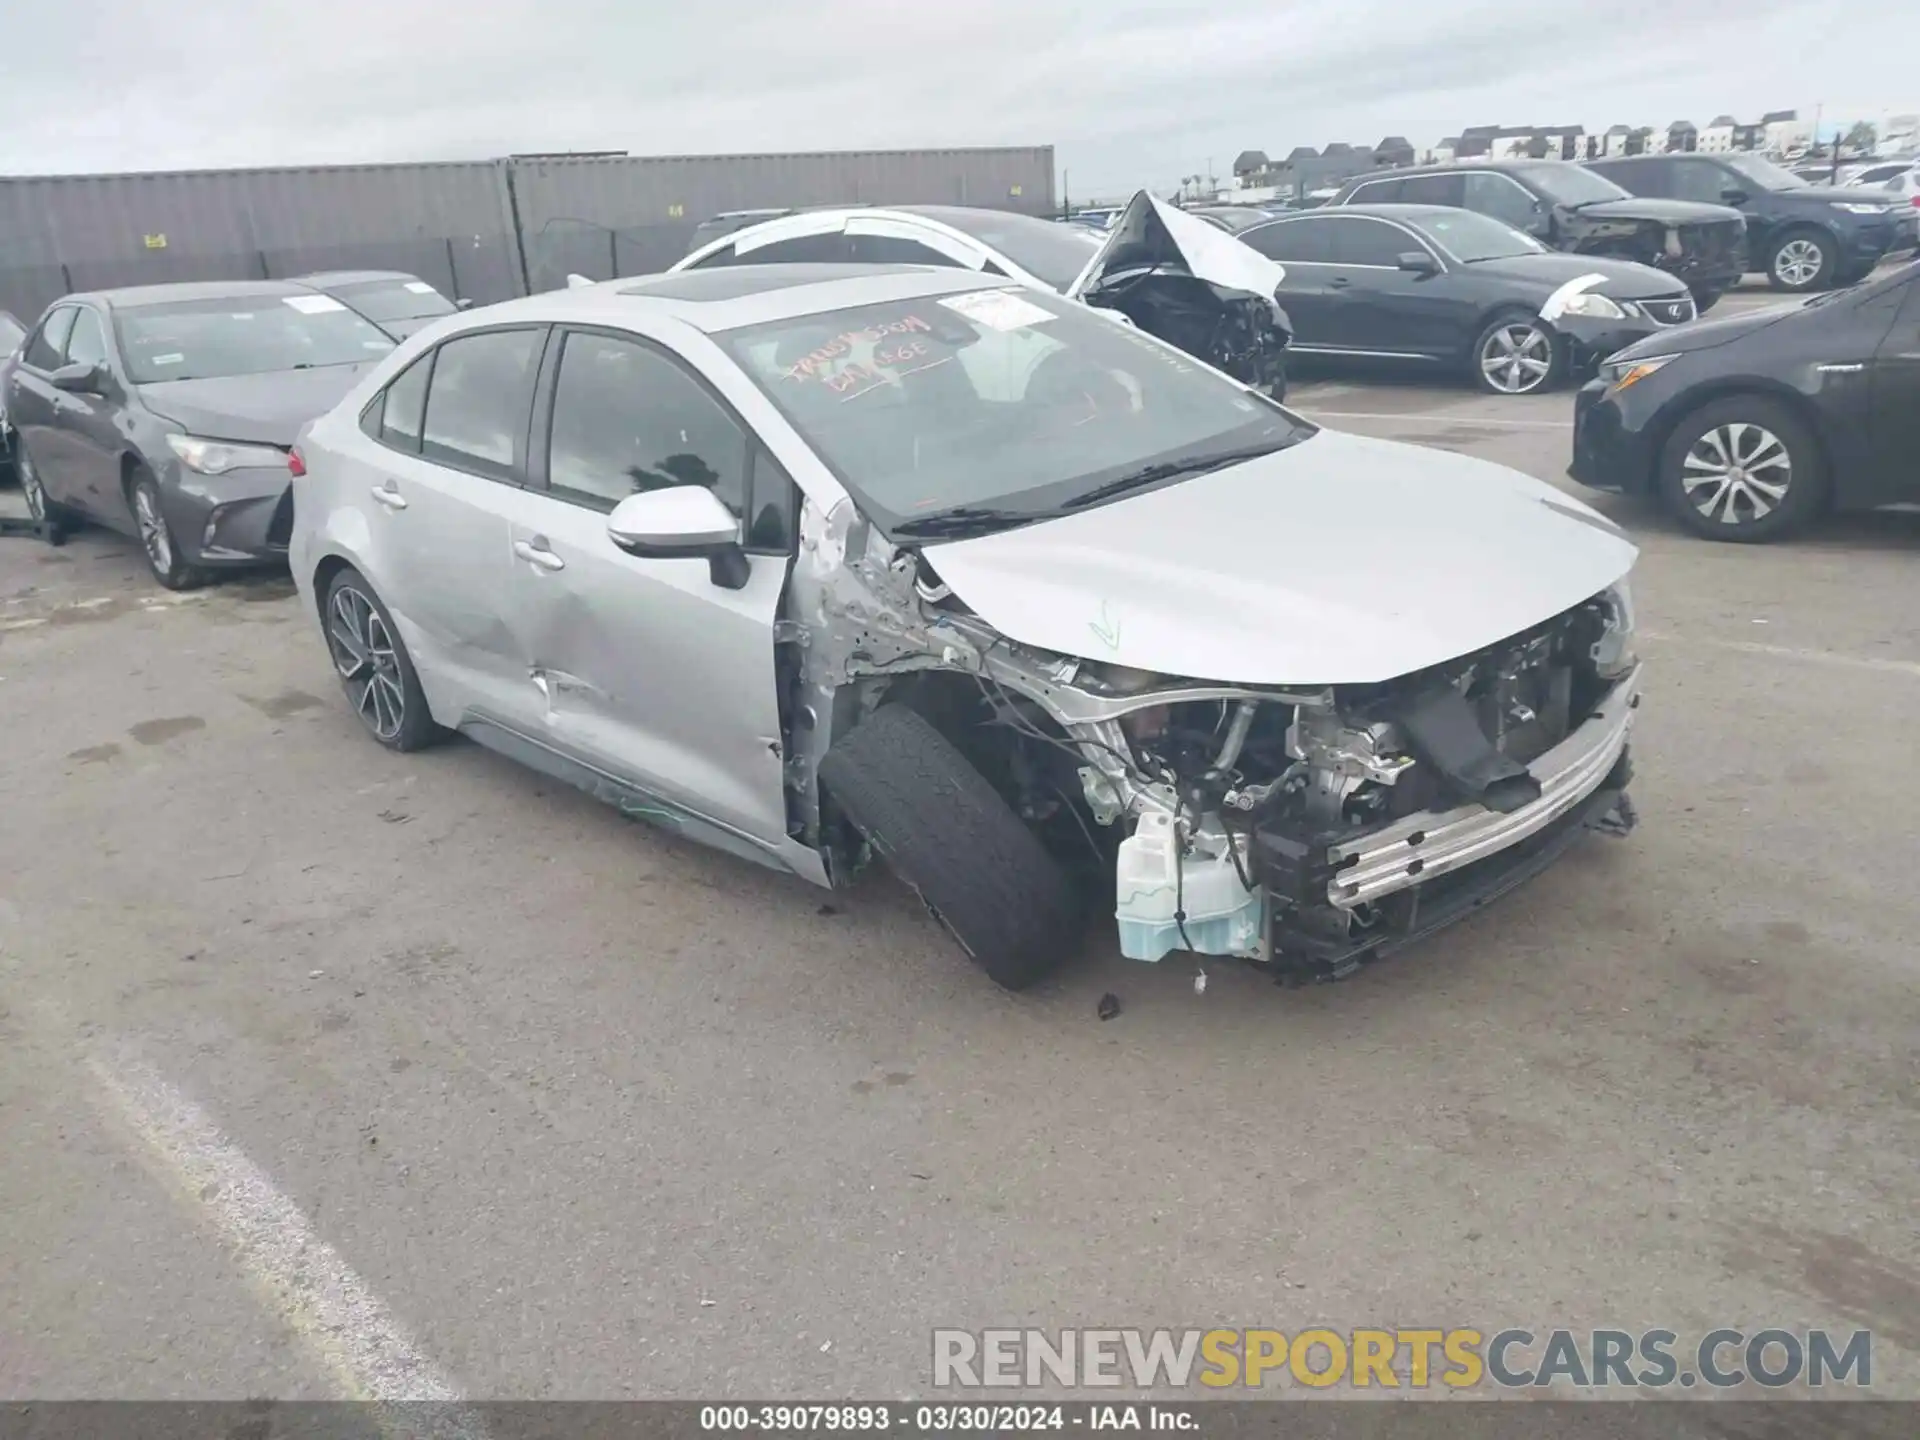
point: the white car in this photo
(1900, 176)
(820, 566)
(1171, 273)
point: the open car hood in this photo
(1342, 560)
(1150, 232)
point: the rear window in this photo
(243, 335)
(1045, 250)
(381, 300)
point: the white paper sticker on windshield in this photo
(420, 287)
(312, 304)
(998, 309)
(167, 360)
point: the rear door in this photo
(651, 673)
(450, 457)
(1303, 248)
(1895, 419)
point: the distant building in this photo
(1640, 142)
(1394, 150)
(1900, 135)
(1250, 162)
(1717, 138)
(1614, 142)
(1750, 137)
(1444, 153)
(1682, 135)
(1538, 142)
(1305, 169)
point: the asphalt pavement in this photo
(325, 1071)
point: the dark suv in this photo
(1801, 236)
(1573, 209)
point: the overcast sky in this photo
(1128, 93)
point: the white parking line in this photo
(1431, 418)
(1878, 664)
(309, 1285)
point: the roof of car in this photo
(727, 297)
(132, 296)
(1378, 211)
(324, 278)
(1520, 167)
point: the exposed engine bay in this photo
(1196, 287)
(1301, 830)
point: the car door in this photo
(90, 422)
(1382, 309)
(653, 674)
(451, 454)
(1894, 421)
(1301, 246)
(36, 410)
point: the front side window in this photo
(1572, 185)
(87, 343)
(243, 335)
(1702, 181)
(1303, 242)
(1501, 198)
(996, 401)
(50, 341)
(626, 418)
(1762, 174)
(479, 399)
(1359, 241)
(1434, 190)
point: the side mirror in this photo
(682, 522)
(1418, 262)
(1734, 195)
(77, 379)
(463, 304)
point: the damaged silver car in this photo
(824, 567)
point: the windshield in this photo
(243, 335)
(383, 300)
(1468, 236)
(994, 400)
(1045, 249)
(1764, 173)
(1572, 185)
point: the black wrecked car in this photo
(1749, 426)
(1571, 208)
(167, 412)
(1800, 236)
(1427, 286)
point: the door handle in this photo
(536, 551)
(390, 497)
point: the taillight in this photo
(296, 465)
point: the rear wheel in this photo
(1517, 355)
(946, 832)
(374, 667)
(1743, 468)
(1801, 260)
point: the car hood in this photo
(1342, 560)
(265, 409)
(1625, 278)
(1819, 197)
(1669, 212)
(1151, 232)
(1706, 334)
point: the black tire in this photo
(947, 833)
(375, 669)
(1793, 251)
(157, 540)
(1731, 421)
(55, 520)
(1551, 346)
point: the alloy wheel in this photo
(30, 487)
(1798, 262)
(1737, 473)
(1517, 358)
(364, 654)
(153, 528)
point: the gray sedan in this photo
(166, 413)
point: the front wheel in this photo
(944, 830)
(1801, 260)
(374, 667)
(1517, 356)
(1744, 468)
(157, 539)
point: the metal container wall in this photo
(632, 215)
(449, 224)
